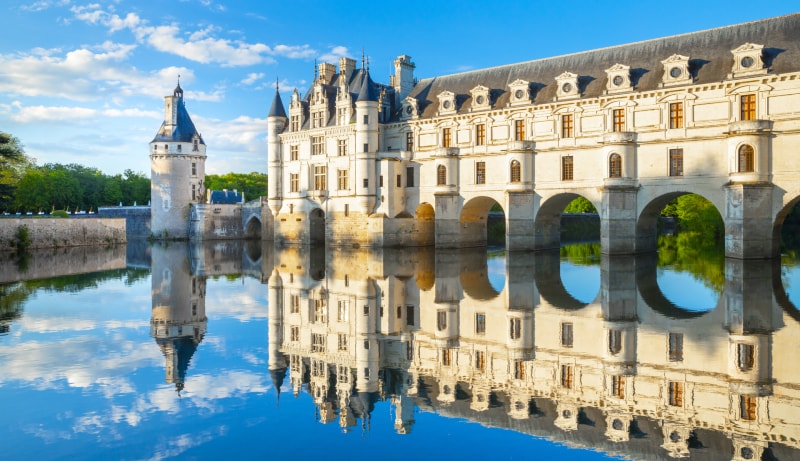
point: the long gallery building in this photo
(419, 162)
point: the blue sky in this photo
(83, 82)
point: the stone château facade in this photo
(629, 127)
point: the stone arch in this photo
(547, 225)
(777, 225)
(316, 224)
(252, 230)
(647, 221)
(474, 218)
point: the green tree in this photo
(580, 205)
(253, 185)
(32, 192)
(13, 163)
(135, 188)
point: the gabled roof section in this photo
(710, 53)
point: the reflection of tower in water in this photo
(178, 321)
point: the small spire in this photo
(315, 70)
(362, 57)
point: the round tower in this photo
(177, 170)
(276, 123)
(366, 144)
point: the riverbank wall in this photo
(57, 262)
(137, 219)
(37, 233)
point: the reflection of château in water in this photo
(179, 273)
(629, 373)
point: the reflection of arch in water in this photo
(650, 291)
(647, 222)
(547, 275)
(252, 230)
(779, 291)
(474, 275)
(777, 226)
(547, 225)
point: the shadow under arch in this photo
(547, 276)
(425, 223)
(647, 221)
(474, 222)
(650, 291)
(316, 224)
(252, 230)
(777, 225)
(547, 224)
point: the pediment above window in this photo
(520, 92)
(447, 102)
(676, 70)
(748, 60)
(481, 98)
(619, 78)
(567, 86)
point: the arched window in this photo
(614, 166)
(516, 173)
(746, 158)
(441, 175)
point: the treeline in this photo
(26, 187)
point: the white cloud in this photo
(334, 54)
(252, 78)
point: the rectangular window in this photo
(514, 328)
(619, 119)
(342, 310)
(194, 169)
(566, 334)
(341, 116)
(566, 126)
(342, 342)
(567, 376)
(342, 181)
(294, 302)
(342, 147)
(399, 180)
(317, 342)
(294, 182)
(320, 177)
(317, 119)
(366, 147)
(410, 140)
(294, 334)
(317, 145)
(480, 323)
(676, 347)
(441, 175)
(446, 140)
(410, 176)
(320, 310)
(194, 191)
(480, 172)
(409, 315)
(675, 394)
(441, 320)
(480, 360)
(366, 309)
(745, 356)
(480, 134)
(618, 386)
(366, 182)
(519, 369)
(614, 341)
(676, 162)
(748, 109)
(676, 115)
(567, 170)
(446, 357)
(366, 119)
(519, 130)
(294, 152)
(295, 123)
(747, 407)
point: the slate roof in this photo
(277, 110)
(225, 197)
(184, 129)
(709, 51)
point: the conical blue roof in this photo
(277, 109)
(184, 130)
(369, 91)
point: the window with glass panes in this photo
(748, 107)
(317, 145)
(516, 171)
(441, 175)
(480, 172)
(614, 166)
(294, 182)
(342, 179)
(567, 168)
(618, 116)
(519, 130)
(480, 134)
(566, 126)
(342, 147)
(746, 158)
(676, 115)
(294, 152)
(320, 177)
(446, 137)
(676, 162)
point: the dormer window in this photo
(520, 92)
(748, 61)
(410, 108)
(447, 102)
(567, 86)
(480, 98)
(619, 79)
(676, 70)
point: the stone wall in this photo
(47, 263)
(137, 219)
(216, 222)
(63, 232)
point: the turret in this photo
(276, 123)
(277, 361)
(366, 143)
(177, 170)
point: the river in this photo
(242, 351)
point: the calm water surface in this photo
(226, 351)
